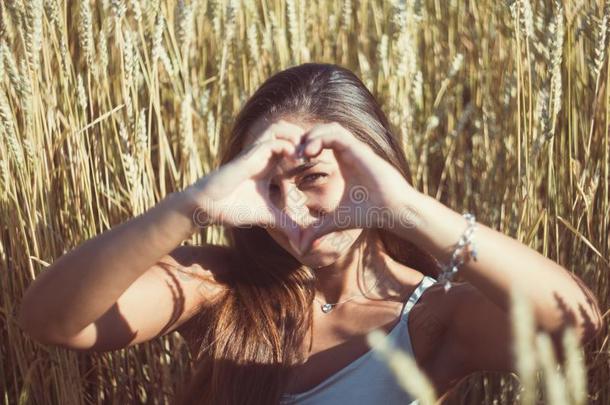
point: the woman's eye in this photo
(310, 178)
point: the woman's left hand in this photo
(376, 193)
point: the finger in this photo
(312, 148)
(288, 226)
(285, 130)
(318, 230)
(282, 147)
(332, 136)
(269, 148)
(259, 157)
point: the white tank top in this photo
(367, 380)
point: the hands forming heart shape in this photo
(237, 193)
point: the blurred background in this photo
(106, 106)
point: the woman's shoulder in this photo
(206, 255)
(439, 303)
(433, 337)
(209, 265)
(429, 319)
(207, 260)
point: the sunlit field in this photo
(503, 109)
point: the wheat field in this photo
(106, 106)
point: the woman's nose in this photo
(294, 202)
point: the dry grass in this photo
(107, 106)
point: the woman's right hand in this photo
(237, 193)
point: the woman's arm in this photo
(557, 297)
(114, 276)
(127, 271)
(479, 330)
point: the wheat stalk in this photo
(81, 93)
(555, 385)
(523, 350)
(404, 367)
(33, 33)
(185, 23)
(85, 28)
(575, 371)
(8, 128)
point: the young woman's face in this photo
(305, 195)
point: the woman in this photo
(327, 241)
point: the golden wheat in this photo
(105, 107)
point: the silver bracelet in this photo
(450, 270)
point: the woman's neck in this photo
(354, 273)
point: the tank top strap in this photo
(426, 282)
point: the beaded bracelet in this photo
(450, 270)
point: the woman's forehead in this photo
(258, 127)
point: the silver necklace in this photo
(327, 307)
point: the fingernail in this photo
(304, 247)
(295, 247)
(300, 148)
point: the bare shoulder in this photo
(436, 309)
(442, 303)
(209, 258)
(203, 270)
(428, 322)
(432, 328)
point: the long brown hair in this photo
(252, 335)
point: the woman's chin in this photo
(319, 257)
(325, 250)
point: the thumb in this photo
(288, 226)
(317, 230)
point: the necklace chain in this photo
(327, 307)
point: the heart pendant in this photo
(326, 308)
